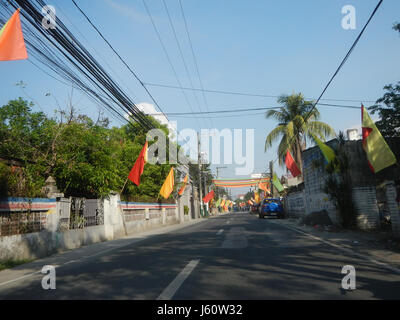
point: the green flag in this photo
(328, 152)
(277, 183)
(218, 203)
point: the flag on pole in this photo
(277, 183)
(378, 152)
(256, 197)
(223, 202)
(138, 167)
(182, 189)
(168, 185)
(217, 204)
(12, 44)
(328, 152)
(262, 186)
(291, 165)
(208, 197)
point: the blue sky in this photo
(266, 47)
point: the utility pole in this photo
(199, 163)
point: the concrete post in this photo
(53, 218)
(164, 216)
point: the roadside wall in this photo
(314, 179)
(120, 219)
(393, 207)
(295, 204)
(365, 202)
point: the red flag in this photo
(138, 167)
(291, 165)
(12, 44)
(208, 197)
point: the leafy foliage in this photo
(294, 127)
(389, 123)
(396, 27)
(338, 184)
(87, 158)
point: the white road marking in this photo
(349, 251)
(173, 287)
(219, 232)
(228, 222)
(20, 278)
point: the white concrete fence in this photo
(119, 219)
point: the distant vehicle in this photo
(271, 208)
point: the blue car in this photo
(271, 208)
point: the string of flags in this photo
(378, 153)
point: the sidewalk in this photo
(376, 245)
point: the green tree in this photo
(389, 123)
(294, 128)
(87, 158)
(396, 27)
(337, 184)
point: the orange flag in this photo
(138, 167)
(262, 186)
(12, 44)
(168, 185)
(182, 189)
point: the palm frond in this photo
(274, 135)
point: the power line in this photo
(167, 56)
(182, 56)
(194, 57)
(60, 51)
(338, 69)
(247, 94)
(249, 109)
(120, 58)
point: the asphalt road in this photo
(231, 257)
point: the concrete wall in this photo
(393, 207)
(364, 199)
(41, 244)
(295, 204)
(120, 219)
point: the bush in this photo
(186, 210)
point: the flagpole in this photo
(124, 186)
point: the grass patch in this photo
(7, 264)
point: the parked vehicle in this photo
(271, 208)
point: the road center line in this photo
(173, 287)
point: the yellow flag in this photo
(328, 152)
(256, 197)
(378, 152)
(168, 185)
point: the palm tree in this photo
(297, 122)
